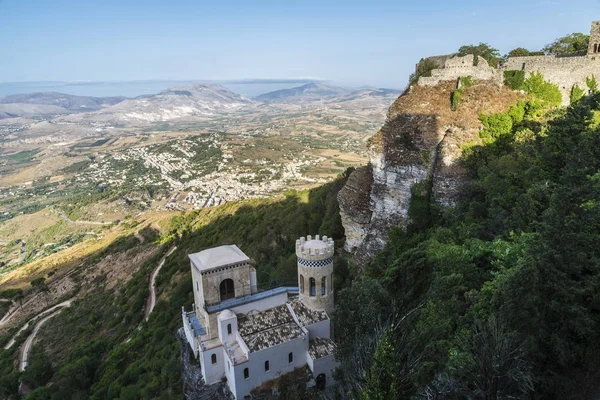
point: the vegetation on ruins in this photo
(424, 68)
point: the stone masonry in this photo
(564, 71)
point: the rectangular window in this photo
(197, 287)
(246, 373)
(291, 358)
(313, 287)
(323, 285)
(267, 367)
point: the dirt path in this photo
(24, 327)
(69, 220)
(139, 237)
(24, 352)
(151, 302)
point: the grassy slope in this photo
(89, 338)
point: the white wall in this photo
(324, 365)
(213, 373)
(278, 363)
(319, 330)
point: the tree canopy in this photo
(490, 54)
(574, 43)
(523, 52)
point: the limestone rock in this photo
(422, 138)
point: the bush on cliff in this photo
(497, 298)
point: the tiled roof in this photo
(305, 315)
(320, 347)
(268, 328)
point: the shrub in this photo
(576, 93)
(456, 98)
(467, 81)
(514, 79)
(495, 125)
(592, 84)
(548, 93)
(424, 68)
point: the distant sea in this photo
(248, 88)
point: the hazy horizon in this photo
(245, 87)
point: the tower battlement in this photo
(315, 249)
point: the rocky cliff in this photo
(421, 139)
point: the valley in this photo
(68, 175)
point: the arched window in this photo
(226, 289)
(229, 329)
(301, 284)
(246, 373)
(213, 358)
(291, 358)
(313, 287)
(323, 285)
(267, 367)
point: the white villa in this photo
(249, 336)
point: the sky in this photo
(372, 42)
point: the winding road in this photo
(151, 302)
(66, 303)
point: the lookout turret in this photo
(315, 272)
(594, 46)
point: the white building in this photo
(249, 336)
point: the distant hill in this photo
(65, 101)
(187, 100)
(51, 103)
(310, 91)
(319, 91)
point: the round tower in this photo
(315, 272)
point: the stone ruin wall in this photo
(564, 71)
(455, 67)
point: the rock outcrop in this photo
(422, 139)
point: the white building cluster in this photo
(249, 336)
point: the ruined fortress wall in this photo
(456, 67)
(564, 71)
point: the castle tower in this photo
(315, 272)
(594, 46)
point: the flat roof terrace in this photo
(230, 303)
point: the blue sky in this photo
(350, 42)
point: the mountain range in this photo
(198, 99)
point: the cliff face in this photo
(422, 138)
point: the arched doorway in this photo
(321, 381)
(226, 289)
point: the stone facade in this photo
(315, 272)
(564, 71)
(456, 66)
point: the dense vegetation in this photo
(97, 352)
(498, 297)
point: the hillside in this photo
(200, 99)
(307, 92)
(95, 349)
(483, 283)
(51, 103)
